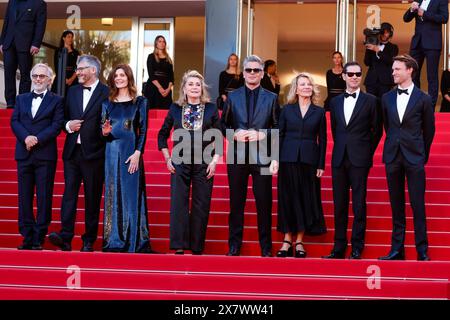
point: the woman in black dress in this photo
(190, 116)
(445, 91)
(66, 41)
(231, 78)
(335, 84)
(160, 72)
(303, 141)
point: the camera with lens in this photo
(372, 36)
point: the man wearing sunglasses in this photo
(357, 129)
(250, 112)
(36, 122)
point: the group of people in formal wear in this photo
(106, 130)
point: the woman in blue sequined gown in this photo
(124, 117)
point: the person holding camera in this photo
(426, 42)
(378, 57)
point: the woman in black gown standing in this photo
(335, 83)
(160, 72)
(230, 79)
(445, 90)
(303, 144)
(125, 227)
(66, 41)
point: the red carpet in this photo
(29, 275)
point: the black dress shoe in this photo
(356, 254)
(57, 241)
(25, 246)
(286, 253)
(335, 255)
(423, 257)
(87, 247)
(299, 253)
(394, 255)
(233, 252)
(37, 247)
(266, 253)
(179, 251)
(197, 252)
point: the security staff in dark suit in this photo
(36, 122)
(426, 43)
(379, 60)
(83, 154)
(251, 111)
(409, 124)
(356, 128)
(22, 33)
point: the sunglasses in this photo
(40, 76)
(352, 74)
(254, 70)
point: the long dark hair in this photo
(340, 54)
(113, 91)
(64, 34)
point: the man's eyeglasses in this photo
(254, 70)
(40, 76)
(81, 68)
(352, 74)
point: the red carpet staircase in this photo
(59, 275)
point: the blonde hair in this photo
(204, 98)
(292, 96)
(156, 51)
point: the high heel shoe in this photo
(300, 253)
(285, 253)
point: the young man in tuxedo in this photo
(378, 58)
(409, 124)
(251, 111)
(36, 122)
(83, 154)
(426, 42)
(21, 38)
(357, 129)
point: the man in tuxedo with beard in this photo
(408, 117)
(36, 122)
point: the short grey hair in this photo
(254, 58)
(92, 61)
(50, 73)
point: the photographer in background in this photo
(379, 58)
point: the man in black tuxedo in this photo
(357, 129)
(251, 111)
(83, 154)
(379, 60)
(409, 124)
(426, 43)
(36, 122)
(22, 33)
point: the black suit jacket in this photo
(92, 140)
(46, 126)
(27, 28)
(380, 69)
(361, 136)
(414, 135)
(303, 139)
(428, 29)
(234, 116)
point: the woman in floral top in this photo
(194, 157)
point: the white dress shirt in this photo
(36, 103)
(87, 94)
(349, 106)
(424, 5)
(402, 101)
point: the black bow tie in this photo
(346, 95)
(87, 88)
(38, 95)
(400, 91)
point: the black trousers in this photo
(33, 173)
(345, 177)
(262, 190)
(12, 60)
(188, 231)
(91, 172)
(396, 171)
(432, 57)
